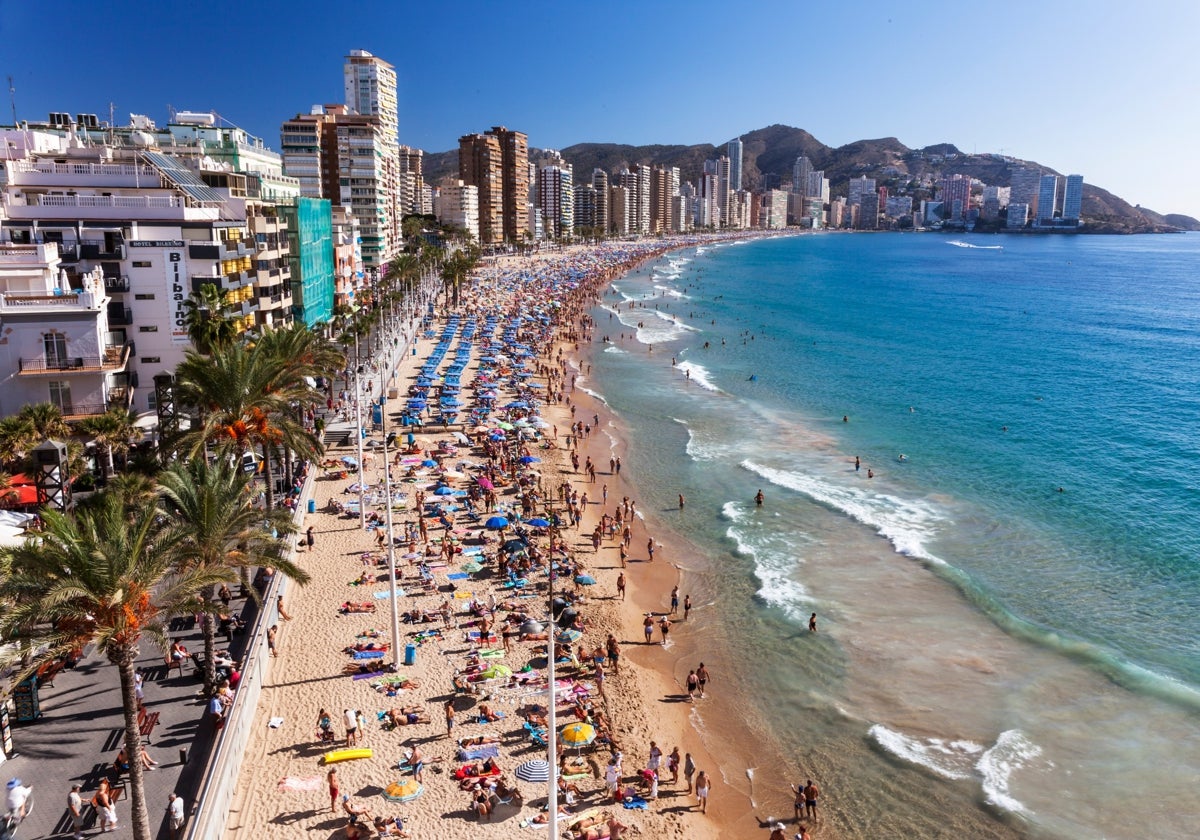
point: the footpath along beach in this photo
(475, 600)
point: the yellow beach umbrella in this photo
(403, 790)
(578, 734)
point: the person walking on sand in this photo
(614, 653)
(693, 682)
(621, 578)
(689, 770)
(650, 548)
(702, 678)
(674, 600)
(308, 538)
(648, 628)
(624, 552)
(351, 718)
(272, 632)
(449, 717)
(687, 606)
(664, 627)
(702, 789)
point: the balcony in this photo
(116, 285)
(115, 358)
(43, 303)
(50, 174)
(119, 316)
(56, 207)
(98, 249)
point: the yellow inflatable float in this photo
(346, 755)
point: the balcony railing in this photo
(120, 316)
(98, 249)
(115, 357)
(113, 285)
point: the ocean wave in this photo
(591, 393)
(700, 449)
(960, 244)
(775, 561)
(948, 759)
(675, 293)
(907, 524)
(699, 374)
(732, 511)
(612, 348)
(1011, 752)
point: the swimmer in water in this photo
(902, 457)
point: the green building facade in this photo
(310, 228)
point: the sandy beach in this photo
(283, 787)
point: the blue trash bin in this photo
(312, 505)
(410, 654)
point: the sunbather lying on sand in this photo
(357, 607)
(364, 668)
(359, 647)
(405, 716)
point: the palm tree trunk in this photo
(270, 479)
(209, 626)
(139, 816)
(110, 467)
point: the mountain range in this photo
(769, 153)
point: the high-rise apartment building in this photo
(1023, 184)
(556, 198)
(457, 203)
(860, 187)
(1073, 198)
(993, 199)
(497, 163)
(955, 195)
(600, 182)
(620, 210)
(585, 209)
(800, 172)
(481, 165)
(1047, 197)
(410, 181)
(370, 84)
(868, 211)
(734, 152)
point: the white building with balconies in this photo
(56, 344)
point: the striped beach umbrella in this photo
(534, 770)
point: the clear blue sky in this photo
(1105, 88)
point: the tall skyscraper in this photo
(800, 172)
(371, 91)
(734, 153)
(1023, 184)
(1047, 197)
(955, 195)
(1073, 198)
(497, 163)
(860, 187)
(600, 182)
(556, 198)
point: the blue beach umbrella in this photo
(537, 522)
(496, 523)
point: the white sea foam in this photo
(1011, 752)
(959, 244)
(948, 759)
(701, 250)
(591, 393)
(732, 511)
(612, 348)
(699, 447)
(774, 566)
(675, 293)
(699, 375)
(909, 524)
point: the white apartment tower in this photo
(371, 91)
(734, 153)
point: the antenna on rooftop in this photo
(12, 98)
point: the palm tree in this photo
(219, 528)
(102, 576)
(244, 396)
(114, 430)
(455, 270)
(8, 490)
(207, 316)
(32, 425)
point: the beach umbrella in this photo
(578, 734)
(485, 483)
(537, 522)
(508, 427)
(444, 491)
(471, 567)
(530, 459)
(497, 671)
(403, 791)
(496, 523)
(530, 627)
(568, 635)
(585, 580)
(348, 461)
(515, 545)
(429, 463)
(535, 770)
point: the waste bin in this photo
(312, 505)
(410, 654)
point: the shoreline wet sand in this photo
(284, 784)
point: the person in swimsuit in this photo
(648, 629)
(702, 789)
(811, 793)
(333, 790)
(693, 683)
(701, 678)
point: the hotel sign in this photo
(157, 243)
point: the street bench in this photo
(146, 722)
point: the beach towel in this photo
(470, 552)
(464, 596)
(457, 575)
(369, 676)
(300, 783)
(636, 803)
(369, 654)
(480, 752)
(385, 594)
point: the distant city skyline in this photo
(1101, 89)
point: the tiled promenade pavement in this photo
(81, 729)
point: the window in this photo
(150, 360)
(60, 396)
(153, 328)
(143, 297)
(56, 350)
(143, 264)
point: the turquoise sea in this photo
(996, 656)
